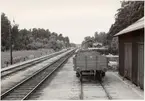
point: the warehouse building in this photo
(131, 52)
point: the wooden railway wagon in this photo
(89, 62)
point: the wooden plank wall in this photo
(134, 38)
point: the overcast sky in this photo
(73, 18)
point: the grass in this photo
(19, 56)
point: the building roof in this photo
(97, 43)
(139, 24)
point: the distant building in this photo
(97, 44)
(131, 52)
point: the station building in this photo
(131, 52)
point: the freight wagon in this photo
(90, 62)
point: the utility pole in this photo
(11, 48)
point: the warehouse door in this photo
(128, 60)
(141, 65)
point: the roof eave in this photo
(135, 26)
(118, 34)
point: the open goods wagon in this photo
(89, 62)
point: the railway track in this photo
(97, 84)
(107, 94)
(25, 65)
(24, 89)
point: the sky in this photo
(73, 18)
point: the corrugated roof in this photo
(135, 26)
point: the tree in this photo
(129, 12)
(60, 37)
(96, 36)
(5, 28)
(66, 41)
(24, 38)
(88, 42)
(15, 37)
(100, 37)
(30, 38)
(52, 41)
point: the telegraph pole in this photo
(11, 48)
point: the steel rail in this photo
(81, 91)
(100, 82)
(107, 94)
(28, 82)
(26, 97)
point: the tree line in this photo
(99, 37)
(30, 39)
(130, 12)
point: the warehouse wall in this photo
(123, 39)
(135, 38)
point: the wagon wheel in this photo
(99, 76)
(103, 74)
(77, 74)
(80, 76)
(95, 75)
